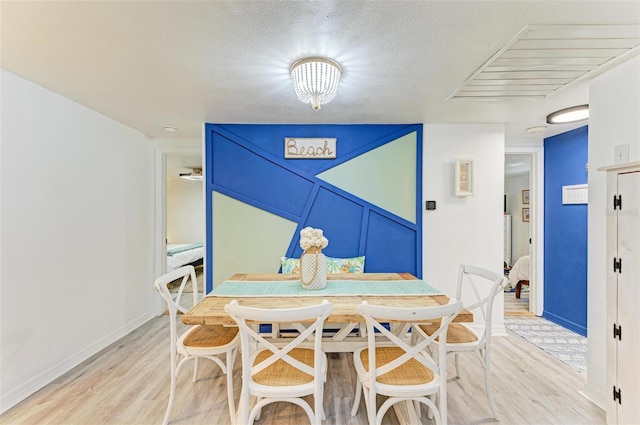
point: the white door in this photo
(628, 366)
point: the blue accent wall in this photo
(246, 162)
(565, 232)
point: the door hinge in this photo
(617, 265)
(617, 202)
(617, 332)
(617, 394)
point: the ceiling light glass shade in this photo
(573, 114)
(315, 80)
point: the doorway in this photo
(164, 169)
(185, 216)
(517, 219)
(524, 190)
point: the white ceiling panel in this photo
(542, 59)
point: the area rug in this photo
(563, 344)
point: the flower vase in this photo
(313, 269)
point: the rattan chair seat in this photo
(210, 336)
(456, 334)
(410, 373)
(282, 373)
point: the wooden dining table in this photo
(210, 310)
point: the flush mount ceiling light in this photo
(195, 175)
(536, 129)
(315, 80)
(568, 115)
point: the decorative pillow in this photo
(345, 265)
(334, 265)
(290, 265)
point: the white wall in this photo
(185, 211)
(463, 229)
(513, 187)
(614, 119)
(76, 233)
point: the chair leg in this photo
(385, 406)
(243, 407)
(319, 399)
(318, 410)
(172, 398)
(195, 369)
(356, 399)
(435, 414)
(457, 361)
(318, 407)
(232, 406)
(370, 401)
(259, 411)
(432, 397)
(487, 383)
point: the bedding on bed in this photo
(179, 255)
(519, 271)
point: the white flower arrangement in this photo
(310, 237)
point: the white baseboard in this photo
(496, 330)
(595, 395)
(21, 392)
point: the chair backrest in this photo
(185, 273)
(377, 316)
(301, 316)
(473, 283)
(161, 285)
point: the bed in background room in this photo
(179, 255)
(519, 274)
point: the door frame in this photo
(536, 184)
(161, 153)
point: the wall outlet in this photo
(621, 153)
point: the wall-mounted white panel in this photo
(575, 194)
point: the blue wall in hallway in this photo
(565, 233)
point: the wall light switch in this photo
(621, 153)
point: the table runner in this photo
(292, 288)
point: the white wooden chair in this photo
(403, 370)
(480, 286)
(202, 341)
(288, 373)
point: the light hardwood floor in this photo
(128, 383)
(516, 306)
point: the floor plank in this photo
(128, 382)
(516, 306)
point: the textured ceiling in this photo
(148, 64)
